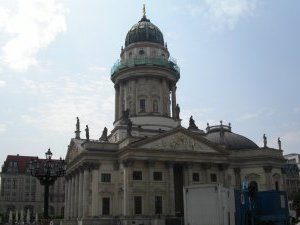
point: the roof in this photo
(144, 31)
(22, 162)
(222, 135)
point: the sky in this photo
(239, 62)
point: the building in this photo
(136, 174)
(292, 169)
(293, 158)
(22, 192)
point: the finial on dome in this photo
(144, 10)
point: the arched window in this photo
(155, 106)
(141, 52)
(142, 105)
(253, 186)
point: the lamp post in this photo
(47, 171)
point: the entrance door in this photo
(178, 189)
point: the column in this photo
(134, 98)
(173, 100)
(73, 196)
(268, 170)
(117, 102)
(127, 166)
(237, 175)
(76, 194)
(187, 173)
(85, 191)
(95, 189)
(69, 196)
(170, 166)
(120, 100)
(149, 208)
(66, 197)
(80, 193)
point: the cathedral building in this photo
(136, 174)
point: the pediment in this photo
(181, 141)
(74, 149)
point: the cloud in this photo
(2, 83)
(92, 100)
(29, 26)
(97, 69)
(223, 13)
(2, 128)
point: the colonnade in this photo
(79, 183)
(122, 95)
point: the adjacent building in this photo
(292, 169)
(22, 192)
(136, 174)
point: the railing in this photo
(171, 64)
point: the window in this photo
(137, 205)
(276, 185)
(213, 177)
(196, 177)
(158, 204)
(141, 52)
(157, 175)
(155, 106)
(105, 206)
(105, 177)
(142, 105)
(137, 175)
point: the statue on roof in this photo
(104, 135)
(87, 133)
(125, 115)
(265, 140)
(77, 131)
(129, 128)
(192, 124)
(279, 144)
(177, 112)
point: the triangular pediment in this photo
(181, 140)
(74, 149)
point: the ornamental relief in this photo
(179, 141)
(73, 153)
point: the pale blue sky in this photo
(239, 63)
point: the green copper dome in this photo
(144, 31)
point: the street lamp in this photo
(47, 171)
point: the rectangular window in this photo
(196, 177)
(106, 177)
(158, 204)
(157, 176)
(137, 175)
(142, 105)
(105, 206)
(213, 177)
(137, 205)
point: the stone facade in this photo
(20, 191)
(137, 174)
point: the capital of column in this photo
(223, 166)
(188, 165)
(127, 162)
(268, 169)
(237, 170)
(169, 164)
